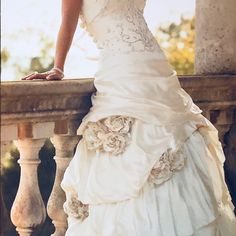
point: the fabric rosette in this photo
(111, 134)
(166, 165)
(75, 208)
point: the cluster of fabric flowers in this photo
(166, 165)
(110, 134)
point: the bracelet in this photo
(58, 70)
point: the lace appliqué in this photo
(111, 134)
(129, 34)
(75, 208)
(123, 29)
(170, 162)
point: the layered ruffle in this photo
(124, 202)
(103, 173)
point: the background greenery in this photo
(177, 40)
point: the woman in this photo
(149, 163)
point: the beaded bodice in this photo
(118, 26)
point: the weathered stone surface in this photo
(28, 210)
(64, 146)
(45, 100)
(215, 37)
(9, 132)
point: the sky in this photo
(23, 20)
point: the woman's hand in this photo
(53, 74)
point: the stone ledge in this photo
(210, 88)
(39, 87)
(40, 101)
(50, 100)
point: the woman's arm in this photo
(70, 15)
(69, 21)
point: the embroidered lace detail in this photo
(129, 33)
(75, 208)
(111, 134)
(165, 167)
(120, 27)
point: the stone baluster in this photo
(64, 146)
(28, 210)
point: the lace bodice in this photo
(118, 26)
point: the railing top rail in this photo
(17, 88)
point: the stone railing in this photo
(216, 96)
(31, 113)
(37, 110)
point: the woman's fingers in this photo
(50, 75)
(27, 76)
(36, 75)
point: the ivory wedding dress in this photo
(149, 163)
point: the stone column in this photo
(64, 146)
(28, 211)
(215, 37)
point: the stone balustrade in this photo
(33, 111)
(216, 96)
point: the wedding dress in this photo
(149, 163)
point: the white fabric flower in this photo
(177, 159)
(120, 124)
(110, 134)
(165, 167)
(161, 171)
(114, 143)
(93, 135)
(75, 208)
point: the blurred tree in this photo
(43, 61)
(177, 41)
(5, 55)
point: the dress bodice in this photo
(118, 26)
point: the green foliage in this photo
(177, 41)
(25, 64)
(5, 55)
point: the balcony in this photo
(35, 111)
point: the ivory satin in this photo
(141, 84)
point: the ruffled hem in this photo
(142, 217)
(123, 202)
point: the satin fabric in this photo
(144, 87)
(134, 79)
(123, 203)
